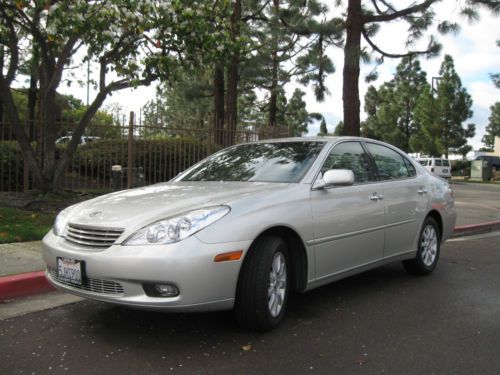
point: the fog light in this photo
(161, 290)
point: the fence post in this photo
(130, 166)
(26, 165)
(116, 177)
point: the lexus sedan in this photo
(251, 223)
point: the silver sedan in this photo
(249, 224)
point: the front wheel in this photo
(264, 285)
(428, 249)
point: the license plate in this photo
(445, 170)
(69, 270)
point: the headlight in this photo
(177, 228)
(61, 220)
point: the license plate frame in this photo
(70, 271)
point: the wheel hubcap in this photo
(429, 244)
(277, 285)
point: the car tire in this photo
(427, 257)
(264, 284)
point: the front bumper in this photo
(116, 274)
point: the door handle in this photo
(422, 191)
(376, 197)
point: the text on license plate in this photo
(69, 270)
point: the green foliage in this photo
(390, 109)
(132, 42)
(17, 225)
(339, 129)
(163, 157)
(296, 116)
(323, 130)
(493, 127)
(460, 167)
(440, 119)
(11, 166)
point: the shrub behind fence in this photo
(158, 154)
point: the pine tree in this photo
(323, 130)
(493, 127)
(390, 108)
(441, 118)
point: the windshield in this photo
(423, 162)
(262, 162)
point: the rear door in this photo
(348, 221)
(405, 198)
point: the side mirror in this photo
(335, 177)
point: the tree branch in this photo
(62, 60)
(387, 54)
(14, 51)
(400, 13)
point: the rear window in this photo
(446, 163)
(437, 162)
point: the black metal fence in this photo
(147, 154)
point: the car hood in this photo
(138, 207)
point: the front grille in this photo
(91, 285)
(92, 236)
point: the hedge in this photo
(160, 159)
(11, 166)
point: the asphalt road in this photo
(476, 203)
(383, 321)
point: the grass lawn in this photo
(18, 225)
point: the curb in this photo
(24, 284)
(471, 229)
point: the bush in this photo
(11, 166)
(160, 159)
(460, 167)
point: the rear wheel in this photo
(428, 249)
(264, 285)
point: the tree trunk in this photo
(13, 116)
(219, 104)
(350, 89)
(1, 105)
(48, 115)
(32, 94)
(233, 78)
(273, 99)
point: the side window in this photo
(349, 155)
(390, 164)
(411, 169)
(437, 162)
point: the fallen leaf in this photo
(246, 348)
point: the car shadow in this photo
(122, 324)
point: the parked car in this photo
(494, 161)
(440, 167)
(83, 139)
(246, 226)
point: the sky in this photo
(474, 51)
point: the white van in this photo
(440, 167)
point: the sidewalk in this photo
(22, 268)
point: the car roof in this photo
(317, 139)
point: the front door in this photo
(348, 221)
